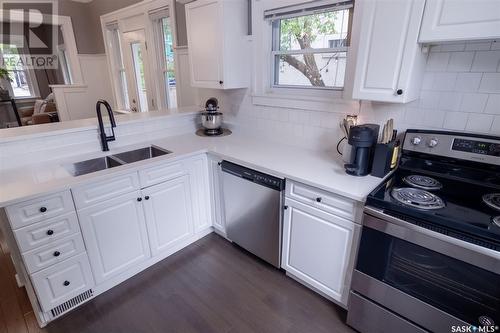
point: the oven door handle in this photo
(452, 247)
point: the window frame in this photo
(156, 18)
(30, 73)
(275, 51)
(118, 69)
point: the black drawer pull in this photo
(66, 283)
(146, 197)
(50, 232)
(139, 199)
(318, 199)
(57, 254)
(43, 209)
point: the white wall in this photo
(78, 102)
(460, 92)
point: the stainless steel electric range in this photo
(429, 256)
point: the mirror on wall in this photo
(26, 96)
(94, 50)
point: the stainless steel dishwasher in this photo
(253, 202)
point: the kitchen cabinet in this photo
(216, 195)
(115, 235)
(168, 211)
(200, 189)
(318, 249)
(218, 44)
(452, 20)
(385, 62)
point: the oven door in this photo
(430, 279)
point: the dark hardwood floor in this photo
(210, 286)
(16, 315)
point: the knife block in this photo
(382, 159)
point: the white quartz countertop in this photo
(319, 169)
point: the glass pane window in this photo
(139, 76)
(168, 62)
(120, 81)
(309, 51)
(19, 78)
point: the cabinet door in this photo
(204, 32)
(318, 249)
(198, 176)
(168, 211)
(452, 20)
(216, 194)
(386, 62)
(115, 235)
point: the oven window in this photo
(456, 287)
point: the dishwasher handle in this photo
(254, 176)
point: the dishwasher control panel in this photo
(253, 175)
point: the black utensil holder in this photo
(382, 159)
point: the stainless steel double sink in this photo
(111, 161)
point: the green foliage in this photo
(305, 29)
(4, 74)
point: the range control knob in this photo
(432, 142)
(416, 140)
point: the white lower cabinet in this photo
(61, 282)
(168, 210)
(318, 249)
(216, 195)
(198, 175)
(115, 235)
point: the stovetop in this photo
(463, 186)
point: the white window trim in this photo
(32, 81)
(114, 54)
(160, 56)
(263, 93)
(64, 22)
(145, 8)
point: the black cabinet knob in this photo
(57, 254)
(285, 207)
(318, 199)
(221, 82)
(43, 209)
(146, 197)
(399, 91)
(50, 232)
(139, 199)
(66, 283)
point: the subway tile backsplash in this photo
(460, 92)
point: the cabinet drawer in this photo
(161, 173)
(93, 193)
(63, 281)
(45, 232)
(323, 200)
(35, 210)
(53, 253)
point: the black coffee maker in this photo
(363, 139)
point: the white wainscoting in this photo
(78, 101)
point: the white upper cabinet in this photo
(218, 45)
(454, 20)
(385, 61)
